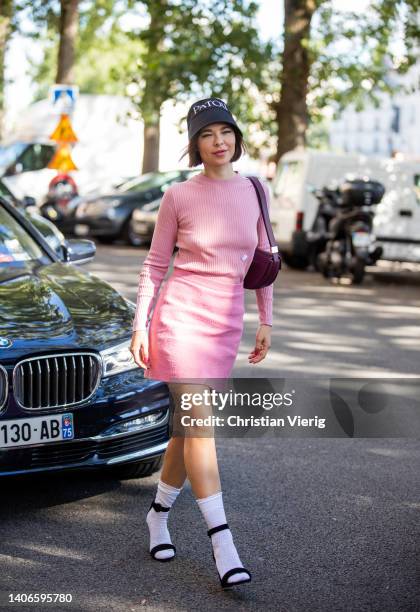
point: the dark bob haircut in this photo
(195, 157)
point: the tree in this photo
(182, 49)
(59, 21)
(104, 53)
(332, 57)
(6, 28)
(68, 30)
(69, 21)
(196, 48)
(291, 110)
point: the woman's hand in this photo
(262, 344)
(139, 348)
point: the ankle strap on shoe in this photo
(216, 529)
(158, 507)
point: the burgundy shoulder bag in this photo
(265, 265)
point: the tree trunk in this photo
(151, 145)
(69, 21)
(151, 100)
(291, 110)
(6, 11)
(151, 120)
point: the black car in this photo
(110, 217)
(71, 396)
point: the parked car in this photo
(144, 220)
(109, 217)
(71, 396)
(24, 166)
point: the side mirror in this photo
(11, 170)
(78, 251)
(16, 168)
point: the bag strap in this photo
(262, 201)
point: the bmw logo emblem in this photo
(5, 343)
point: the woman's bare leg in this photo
(170, 483)
(200, 458)
(201, 466)
(173, 470)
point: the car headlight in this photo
(117, 359)
(108, 207)
(113, 203)
(97, 207)
(112, 213)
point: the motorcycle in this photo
(61, 191)
(342, 240)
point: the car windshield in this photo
(15, 243)
(150, 180)
(10, 153)
(288, 180)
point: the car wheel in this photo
(142, 469)
(129, 235)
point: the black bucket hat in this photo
(207, 111)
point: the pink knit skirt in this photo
(196, 328)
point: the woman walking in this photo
(197, 321)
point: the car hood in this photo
(57, 306)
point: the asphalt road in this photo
(318, 328)
(323, 524)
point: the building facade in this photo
(392, 129)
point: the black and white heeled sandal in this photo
(159, 508)
(235, 570)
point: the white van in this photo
(294, 206)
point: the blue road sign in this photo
(64, 96)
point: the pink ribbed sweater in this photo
(216, 224)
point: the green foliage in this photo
(103, 68)
(186, 49)
(198, 48)
(356, 56)
(192, 48)
(317, 135)
(104, 51)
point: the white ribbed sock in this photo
(224, 549)
(158, 521)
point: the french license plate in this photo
(361, 239)
(36, 430)
(81, 230)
